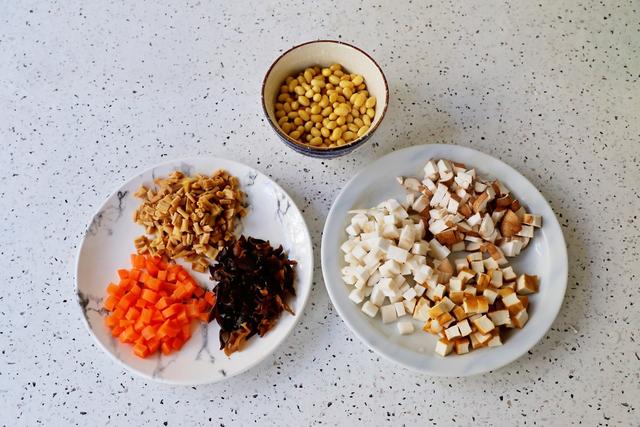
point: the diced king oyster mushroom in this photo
(398, 258)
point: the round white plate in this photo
(546, 256)
(108, 243)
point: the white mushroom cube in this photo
(405, 327)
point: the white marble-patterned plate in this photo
(545, 256)
(108, 242)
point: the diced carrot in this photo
(151, 267)
(182, 275)
(199, 292)
(177, 343)
(137, 261)
(132, 314)
(124, 303)
(172, 310)
(135, 274)
(125, 323)
(186, 331)
(153, 344)
(128, 335)
(166, 348)
(111, 321)
(141, 350)
(153, 304)
(149, 295)
(113, 289)
(148, 332)
(182, 317)
(135, 290)
(139, 325)
(145, 315)
(157, 317)
(153, 283)
(210, 297)
(192, 310)
(110, 303)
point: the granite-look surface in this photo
(93, 92)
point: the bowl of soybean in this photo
(324, 98)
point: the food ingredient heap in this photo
(191, 217)
(254, 283)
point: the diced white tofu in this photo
(389, 268)
(388, 313)
(511, 248)
(405, 327)
(460, 263)
(490, 264)
(455, 284)
(377, 296)
(424, 272)
(348, 245)
(496, 278)
(474, 220)
(431, 170)
(349, 280)
(452, 206)
(380, 243)
(421, 203)
(490, 295)
(437, 250)
(452, 332)
(500, 317)
(484, 324)
(405, 269)
(495, 341)
(407, 237)
(400, 311)
(352, 230)
(438, 292)
(409, 305)
(358, 252)
(533, 220)
(508, 274)
(421, 310)
(511, 300)
(409, 294)
(520, 318)
(477, 266)
(369, 228)
(464, 327)
(370, 309)
(458, 247)
(397, 254)
(390, 231)
(461, 346)
(526, 285)
(419, 289)
(359, 220)
(357, 296)
(526, 231)
(443, 348)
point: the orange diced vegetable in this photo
(110, 302)
(149, 296)
(152, 305)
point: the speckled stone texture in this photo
(91, 93)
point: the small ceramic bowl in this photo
(324, 53)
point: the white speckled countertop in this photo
(93, 92)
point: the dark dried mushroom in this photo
(254, 283)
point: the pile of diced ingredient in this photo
(440, 257)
